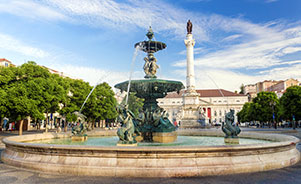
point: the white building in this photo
(212, 105)
(5, 63)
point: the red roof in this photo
(206, 93)
(3, 59)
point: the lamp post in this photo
(272, 104)
(294, 122)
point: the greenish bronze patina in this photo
(228, 128)
(152, 118)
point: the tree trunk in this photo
(93, 123)
(65, 125)
(21, 127)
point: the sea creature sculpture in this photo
(127, 130)
(81, 127)
(229, 128)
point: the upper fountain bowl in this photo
(151, 46)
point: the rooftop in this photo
(206, 93)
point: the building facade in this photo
(212, 105)
(279, 87)
(6, 63)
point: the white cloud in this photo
(94, 75)
(30, 9)
(12, 44)
(231, 38)
(290, 50)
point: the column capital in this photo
(189, 42)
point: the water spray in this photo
(99, 81)
(137, 48)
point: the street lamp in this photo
(273, 103)
(294, 123)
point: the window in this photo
(220, 112)
(237, 101)
(215, 113)
(6, 64)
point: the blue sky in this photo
(237, 41)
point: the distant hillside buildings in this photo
(279, 87)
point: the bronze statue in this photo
(150, 66)
(81, 126)
(127, 130)
(189, 27)
(230, 129)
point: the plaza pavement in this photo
(290, 175)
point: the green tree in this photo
(291, 103)
(134, 103)
(264, 105)
(242, 89)
(76, 92)
(101, 105)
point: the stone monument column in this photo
(191, 103)
(190, 78)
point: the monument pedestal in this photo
(190, 116)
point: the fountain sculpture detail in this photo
(229, 129)
(152, 122)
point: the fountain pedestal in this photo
(79, 138)
(231, 140)
(164, 137)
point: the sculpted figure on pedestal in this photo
(229, 128)
(189, 27)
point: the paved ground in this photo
(290, 175)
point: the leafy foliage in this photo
(291, 103)
(134, 103)
(31, 90)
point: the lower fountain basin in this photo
(154, 161)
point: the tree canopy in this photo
(31, 90)
(291, 103)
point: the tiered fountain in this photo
(153, 122)
(205, 152)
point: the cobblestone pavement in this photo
(290, 175)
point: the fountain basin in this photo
(151, 88)
(155, 161)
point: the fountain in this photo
(159, 153)
(152, 123)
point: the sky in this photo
(237, 41)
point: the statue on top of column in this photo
(189, 27)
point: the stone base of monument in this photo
(79, 138)
(164, 137)
(231, 140)
(190, 124)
